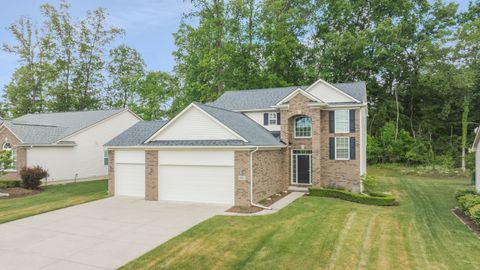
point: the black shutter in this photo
(352, 121)
(331, 121)
(352, 148)
(278, 119)
(331, 147)
(265, 119)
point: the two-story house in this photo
(246, 146)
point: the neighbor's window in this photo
(303, 127)
(342, 148)
(105, 157)
(342, 121)
(8, 147)
(272, 118)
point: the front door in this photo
(303, 169)
(301, 166)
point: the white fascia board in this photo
(349, 106)
(11, 131)
(182, 112)
(299, 91)
(139, 147)
(333, 87)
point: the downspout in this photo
(251, 182)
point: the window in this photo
(105, 157)
(8, 147)
(272, 118)
(342, 148)
(342, 121)
(303, 127)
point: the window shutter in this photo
(265, 119)
(278, 119)
(352, 148)
(331, 147)
(352, 121)
(331, 121)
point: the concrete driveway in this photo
(104, 234)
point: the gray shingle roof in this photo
(198, 143)
(48, 128)
(265, 98)
(137, 134)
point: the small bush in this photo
(468, 201)
(474, 213)
(32, 176)
(9, 183)
(353, 197)
(378, 194)
(369, 182)
(462, 192)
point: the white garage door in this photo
(196, 176)
(130, 173)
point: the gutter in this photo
(251, 182)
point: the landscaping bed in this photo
(469, 210)
(16, 192)
(379, 199)
(254, 209)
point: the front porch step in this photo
(298, 188)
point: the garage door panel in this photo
(130, 157)
(214, 158)
(209, 184)
(130, 180)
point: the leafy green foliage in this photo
(6, 160)
(469, 202)
(9, 183)
(369, 182)
(353, 197)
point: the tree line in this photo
(419, 59)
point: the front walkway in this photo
(104, 234)
(283, 202)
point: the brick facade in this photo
(151, 175)
(7, 136)
(111, 172)
(242, 178)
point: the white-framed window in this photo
(105, 157)
(303, 127)
(342, 121)
(342, 148)
(8, 147)
(272, 118)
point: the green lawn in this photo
(54, 197)
(324, 233)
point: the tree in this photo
(126, 70)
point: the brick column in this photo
(111, 172)
(151, 175)
(242, 182)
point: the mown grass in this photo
(325, 233)
(52, 198)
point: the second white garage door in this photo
(196, 176)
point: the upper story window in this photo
(8, 147)
(342, 121)
(272, 118)
(303, 127)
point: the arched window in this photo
(8, 147)
(303, 127)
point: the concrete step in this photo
(298, 188)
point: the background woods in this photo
(420, 60)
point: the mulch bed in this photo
(467, 221)
(254, 209)
(19, 192)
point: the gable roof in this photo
(257, 99)
(49, 128)
(251, 131)
(301, 92)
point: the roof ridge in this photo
(259, 89)
(31, 124)
(210, 106)
(99, 110)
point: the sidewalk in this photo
(274, 207)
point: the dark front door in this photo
(303, 169)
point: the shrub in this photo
(377, 194)
(369, 182)
(353, 197)
(468, 201)
(462, 192)
(474, 213)
(32, 176)
(9, 183)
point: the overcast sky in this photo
(149, 25)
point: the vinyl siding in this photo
(258, 117)
(327, 94)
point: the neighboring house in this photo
(476, 148)
(246, 146)
(68, 144)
